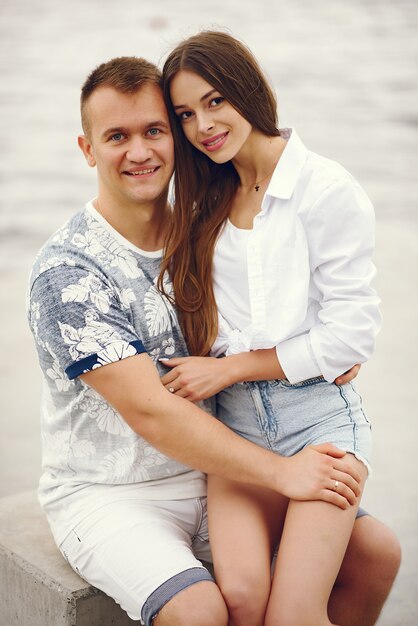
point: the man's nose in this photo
(138, 150)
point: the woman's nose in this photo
(205, 123)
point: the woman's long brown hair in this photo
(204, 189)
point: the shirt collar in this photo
(291, 162)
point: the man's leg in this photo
(198, 605)
(367, 574)
(139, 553)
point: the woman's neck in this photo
(257, 160)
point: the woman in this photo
(270, 257)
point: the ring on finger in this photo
(336, 483)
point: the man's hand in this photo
(322, 472)
(348, 376)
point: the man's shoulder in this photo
(60, 248)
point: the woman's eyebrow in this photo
(184, 106)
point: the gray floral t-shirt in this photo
(93, 300)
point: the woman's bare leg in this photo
(245, 523)
(313, 544)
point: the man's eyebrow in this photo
(184, 106)
(113, 131)
(158, 123)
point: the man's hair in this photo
(125, 74)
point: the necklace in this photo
(256, 185)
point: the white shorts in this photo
(141, 552)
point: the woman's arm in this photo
(339, 228)
(197, 378)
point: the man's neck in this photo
(144, 225)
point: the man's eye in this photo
(117, 137)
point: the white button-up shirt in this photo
(300, 280)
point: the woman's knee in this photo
(246, 599)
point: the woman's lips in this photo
(216, 142)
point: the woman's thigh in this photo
(245, 524)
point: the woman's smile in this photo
(216, 142)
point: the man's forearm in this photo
(184, 432)
(180, 429)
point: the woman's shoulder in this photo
(324, 172)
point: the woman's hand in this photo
(350, 375)
(196, 377)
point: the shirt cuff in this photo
(297, 359)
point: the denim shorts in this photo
(286, 417)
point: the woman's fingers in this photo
(168, 378)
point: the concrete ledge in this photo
(38, 587)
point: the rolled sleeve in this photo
(79, 322)
(297, 359)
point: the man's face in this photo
(131, 144)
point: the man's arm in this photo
(186, 433)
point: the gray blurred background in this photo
(346, 75)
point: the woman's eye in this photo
(185, 115)
(154, 131)
(216, 101)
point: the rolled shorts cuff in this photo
(169, 589)
(360, 458)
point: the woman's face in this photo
(210, 123)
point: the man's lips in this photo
(215, 142)
(142, 172)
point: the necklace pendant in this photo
(257, 187)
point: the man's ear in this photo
(87, 149)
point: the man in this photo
(124, 505)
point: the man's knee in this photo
(201, 604)
(382, 550)
(373, 549)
